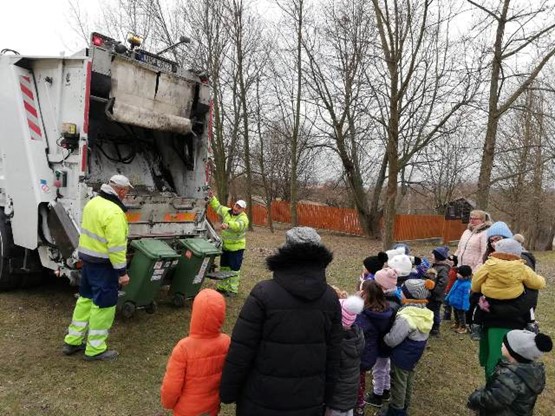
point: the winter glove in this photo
(483, 304)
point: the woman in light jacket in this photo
(474, 240)
(470, 252)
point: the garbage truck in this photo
(68, 123)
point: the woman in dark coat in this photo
(286, 345)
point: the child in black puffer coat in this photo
(344, 396)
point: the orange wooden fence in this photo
(345, 220)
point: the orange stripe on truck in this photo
(133, 216)
(179, 217)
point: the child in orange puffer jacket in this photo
(194, 371)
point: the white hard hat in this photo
(241, 203)
(120, 180)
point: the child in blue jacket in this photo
(459, 298)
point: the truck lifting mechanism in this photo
(70, 123)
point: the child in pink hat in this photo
(344, 396)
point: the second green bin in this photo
(151, 261)
(196, 258)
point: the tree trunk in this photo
(297, 121)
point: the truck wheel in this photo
(151, 308)
(178, 300)
(128, 309)
(7, 280)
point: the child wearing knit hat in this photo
(407, 338)
(375, 321)
(504, 275)
(518, 378)
(386, 279)
(442, 266)
(403, 265)
(371, 265)
(344, 397)
(501, 280)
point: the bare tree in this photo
(209, 25)
(338, 52)
(417, 89)
(294, 11)
(442, 167)
(522, 29)
(525, 150)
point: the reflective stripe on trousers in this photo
(231, 284)
(78, 328)
(100, 321)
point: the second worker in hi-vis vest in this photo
(103, 249)
(234, 228)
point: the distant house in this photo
(459, 209)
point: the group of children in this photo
(386, 327)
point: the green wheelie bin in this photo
(151, 261)
(196, 258)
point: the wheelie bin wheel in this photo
(151, 308)
(128, 309)
(178, 300)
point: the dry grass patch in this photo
(36, 379)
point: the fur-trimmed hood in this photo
(301, 269)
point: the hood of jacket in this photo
(301, 269)
(208, 314)
(378, 316)
(418, 316)
(532, 374)
(510, 271)
(353, 342)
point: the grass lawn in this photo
(36, 379)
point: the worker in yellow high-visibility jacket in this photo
(234, 229)
(102, 249)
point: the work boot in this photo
(107, 355)
(454, 326)
(435, 330)
(461, 330)
(374, 400)
(475, 332)
(226, 293)
(69, 349)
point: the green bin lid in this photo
(155, 249)
(200, 246)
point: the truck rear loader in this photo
(69, 123)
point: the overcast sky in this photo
(39, 27)
(42, 27)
